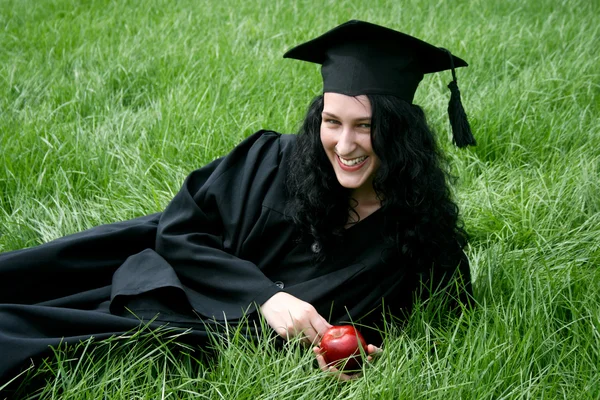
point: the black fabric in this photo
(221, 247)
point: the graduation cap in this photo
(359, 58)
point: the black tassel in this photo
(461, 130)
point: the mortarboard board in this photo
(360, 58)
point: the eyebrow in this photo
(367, 118)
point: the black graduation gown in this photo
(221, 247)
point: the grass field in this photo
(105, 107)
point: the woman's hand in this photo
(372, 351)
(290, 317)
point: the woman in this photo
(306, 230)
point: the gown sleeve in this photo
(413, 281)
(72, 264)
(448, 276)
(202, 230)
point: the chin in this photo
(349, 185)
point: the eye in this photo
(365, 126)
(332, 121)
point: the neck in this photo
(365, 195)
(365, 203)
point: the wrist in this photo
(267, 294)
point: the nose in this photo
(346, 142)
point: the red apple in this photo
(340, 344)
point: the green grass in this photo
(105, 106)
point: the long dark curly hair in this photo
(412, 182)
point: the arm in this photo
(450, 276)
(203, 229)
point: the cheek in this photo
(369, 147)
(367, 144)
(327, 139)
(377, 164)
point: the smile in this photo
(352, 162)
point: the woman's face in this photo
(346, 138)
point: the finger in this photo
(320, 359)
(286, 333)
(330, 369)
(310, 336)
(320, 325)
(354, 376)
(374, 350)
(340, 375)
(282, 332)
(291, 330)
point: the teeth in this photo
(353, 161)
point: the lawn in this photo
(106, 106)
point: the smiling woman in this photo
(346, 139)
(305, 230)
